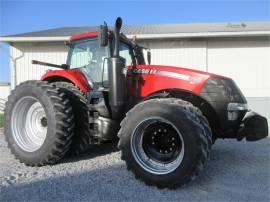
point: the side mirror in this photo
(67, 43)
(103, 35)
(149, 57)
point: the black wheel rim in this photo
(161, 142)
(157, 146)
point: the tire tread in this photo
(64, 126)
(82, 136)
(204, 138)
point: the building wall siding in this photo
(4, 91)
(26, 52)
(181, 53)
(246, 61)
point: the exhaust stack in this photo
(117, 27)
(116, 64)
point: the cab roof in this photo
(84, 35)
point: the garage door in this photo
(248, 63)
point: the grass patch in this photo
(1, 120)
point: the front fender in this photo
(74, 76)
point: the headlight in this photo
(237, 107)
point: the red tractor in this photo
(166, 118)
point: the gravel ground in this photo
(236, 171)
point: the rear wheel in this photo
(38, 123)
(81, 138)
(165, 142)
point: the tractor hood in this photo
(158, 77)
(179, 72)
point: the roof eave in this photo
(202, 34)
(33, 39)
(146, 36)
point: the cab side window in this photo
(89, 57)
(80, 56)
(125, 52)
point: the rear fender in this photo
(74, 76)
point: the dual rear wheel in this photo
(38, 123)
(44, 121)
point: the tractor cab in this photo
(88, 54)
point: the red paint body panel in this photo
(152, 79)
(73, 75)
(84, 35)
(165, 78)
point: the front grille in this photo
(222, 90)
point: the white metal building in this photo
(237, 50)
(4, 89)
(4, 92)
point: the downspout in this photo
(14, 61)
(206, 56)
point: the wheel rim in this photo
(157, 146)
(29, 124)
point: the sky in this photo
(19, 16)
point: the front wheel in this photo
(164, 142)
(157, 146)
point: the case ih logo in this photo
(159, 72)
(143, 71)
